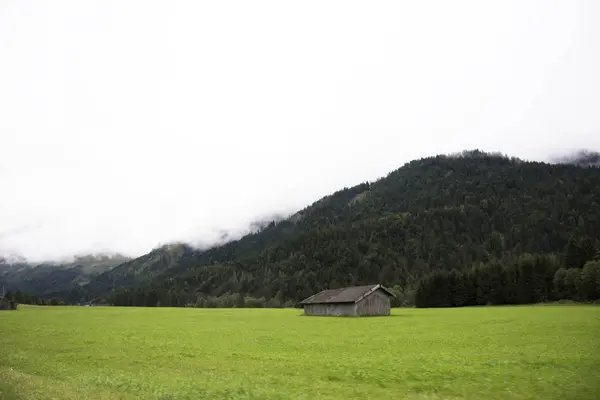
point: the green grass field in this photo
(537, 352)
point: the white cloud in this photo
(127, 124)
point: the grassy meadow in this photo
(533, 352)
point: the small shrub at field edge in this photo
(524, 352)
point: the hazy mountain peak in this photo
(12, 258)
(581, 158)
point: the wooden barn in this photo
(6, 304)
(349, 301)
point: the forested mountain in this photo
(437, 215)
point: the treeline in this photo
(140, 297)
(24, 298)
(526, 279)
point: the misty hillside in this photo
(438, 213)
(432, 214)
(45, 278)
(582, 158)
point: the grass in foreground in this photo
(532, 352)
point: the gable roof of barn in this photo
(352, 294)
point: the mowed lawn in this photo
(534, 352)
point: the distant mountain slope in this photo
(46, 278)
(444, 212)
(140, 270)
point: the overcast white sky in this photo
(125, 124)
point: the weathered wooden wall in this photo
(377, 303)
(7, 305)
(337, 310)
